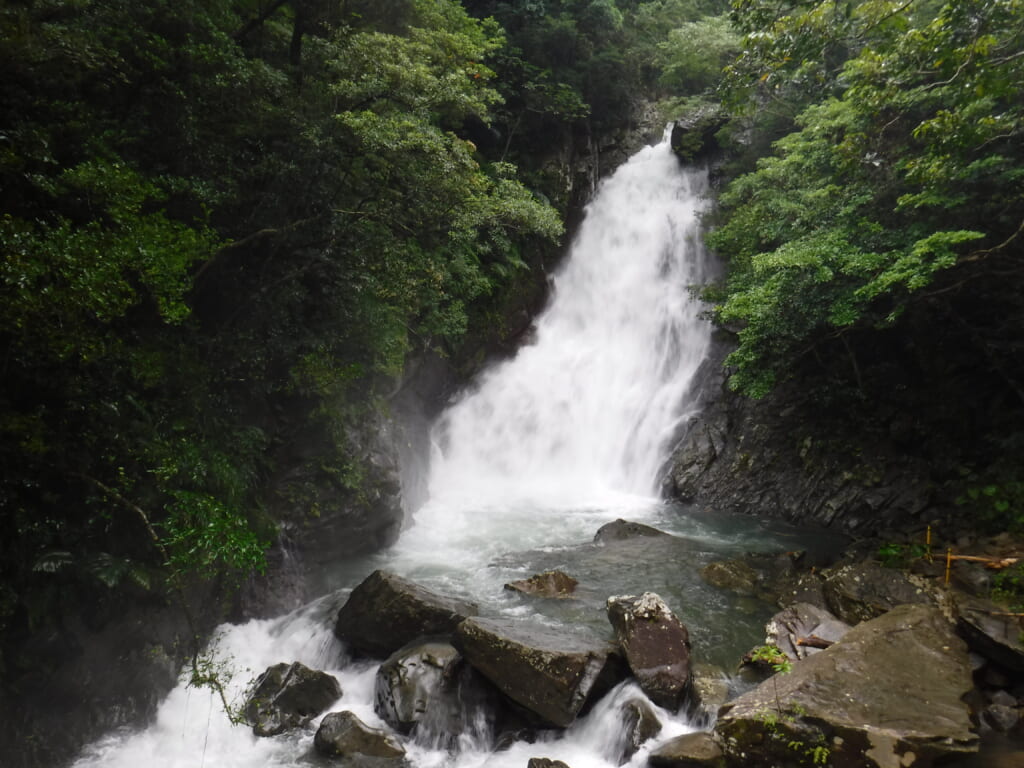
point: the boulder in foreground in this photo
(385, 612)
(552, 674)
(888, 695)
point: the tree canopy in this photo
(899, 184)
(212, 212)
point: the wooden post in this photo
(949, 563)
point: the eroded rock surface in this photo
(889, 695)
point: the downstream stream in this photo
(547, 447)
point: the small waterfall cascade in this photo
(569, 434)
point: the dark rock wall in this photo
(788, 456)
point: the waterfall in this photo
(591, 406)
(565, 436)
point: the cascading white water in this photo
(549, 445)
(591, 405)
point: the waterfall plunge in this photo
(573, 430)
(590, 407)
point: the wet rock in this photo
(796, 630)
(545, 762)
(410, 679)
(890, 694)
(639, 725)
(691, 750)
(551, 673)
(552, 584)
(710, 689)
(693, 136)
(656, 645)
(342, 734)
(805, 588)
(765, 576)
(1002, 718)
(996, 637)
(732, 575)
(862, 591)
(289, 696)
(386, 612)
(620, 529)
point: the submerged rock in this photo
(755, 574)
(289, 696)
(553, 584)
(656, 645)
(342, 734)
(549, 672)
(620, 529)
(545, 762)
(889, 695)
(386, 612)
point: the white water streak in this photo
(589, 408)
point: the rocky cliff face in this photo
(792, 456)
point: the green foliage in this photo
(900, 180)
(223, 227)
(1008, 587)
(695, 54)
(893, 555)
(994, 497)
(773, 657)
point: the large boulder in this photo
(551, 673)
(342, 734)
(386, 612)
(861, 591)
(427, 687)
(889, 695)
(289, 696)
(656, 645)
(410, 679)
(803, 629)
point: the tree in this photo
(901, 185)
